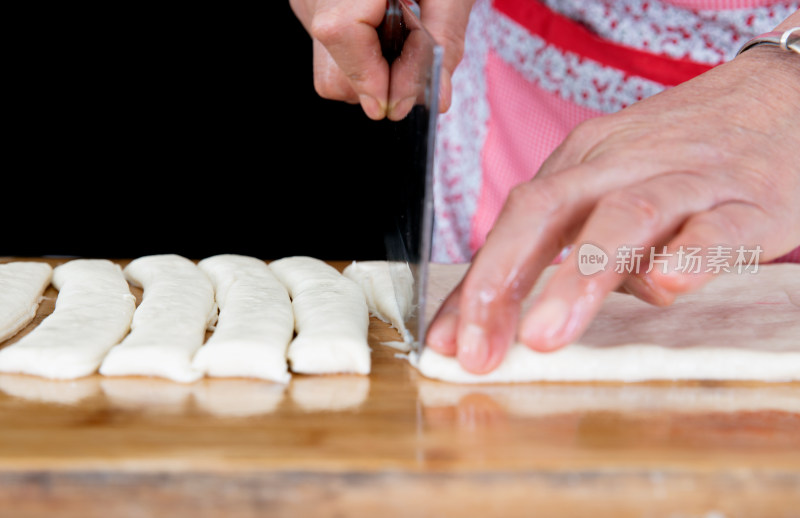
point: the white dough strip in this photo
(170, 323)
(22, 284)
(255, 323)
(331, 318)
(388, 288)
(92, 313)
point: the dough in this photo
(740, 326)
(331, 318)
(21, 286)
(170, 323)
(92, 313)
(255, 323)
(386, 300)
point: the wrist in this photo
(787, 40)
(764, 81)
(769, 64)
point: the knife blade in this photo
(415, 61)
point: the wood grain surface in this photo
(394, 444)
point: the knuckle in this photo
(453, 43)
(332, 88)
(760, 187)
(632, 204)
(325, 27)
(326, 91)
(719, 223)
(587, 128)
(542, 197)
(359, 77)
(577, 147)
(594, 136)
(478, 294)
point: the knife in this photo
(415, 61)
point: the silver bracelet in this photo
(787, 40)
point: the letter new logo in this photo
(591, 259)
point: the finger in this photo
(409, 75)
(348, 30)
(329, 80)
(538, 219)
(643, 287)
(445, 91)
(446, 21)
(618, 236)
(441, 333)
(729, 237)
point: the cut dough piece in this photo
(22, 284)
(170, 323)
(389, 290)
(255, 323)
(92, 313)
(740, 326)
(331, 318)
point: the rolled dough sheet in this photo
(388, 288)
(255, 323)
(331, 318)
(740, 326)
(22, 284)
(169, 325)
(92, 313)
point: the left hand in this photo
(347, 61)
(714, 161)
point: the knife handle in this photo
(392, 31)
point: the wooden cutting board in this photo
(395, 444)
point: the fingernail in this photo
(444, 101)
(441, 334)
(473, 347)
(547, 322)
(372, 107)
(401, 108)
(646, 289)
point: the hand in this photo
(711, 162)
(347, 60)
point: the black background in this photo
(196, 131)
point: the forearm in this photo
(774, 75)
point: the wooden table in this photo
(395, 444)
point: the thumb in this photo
(447, 21)
(347, 31)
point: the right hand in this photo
(347, 59)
